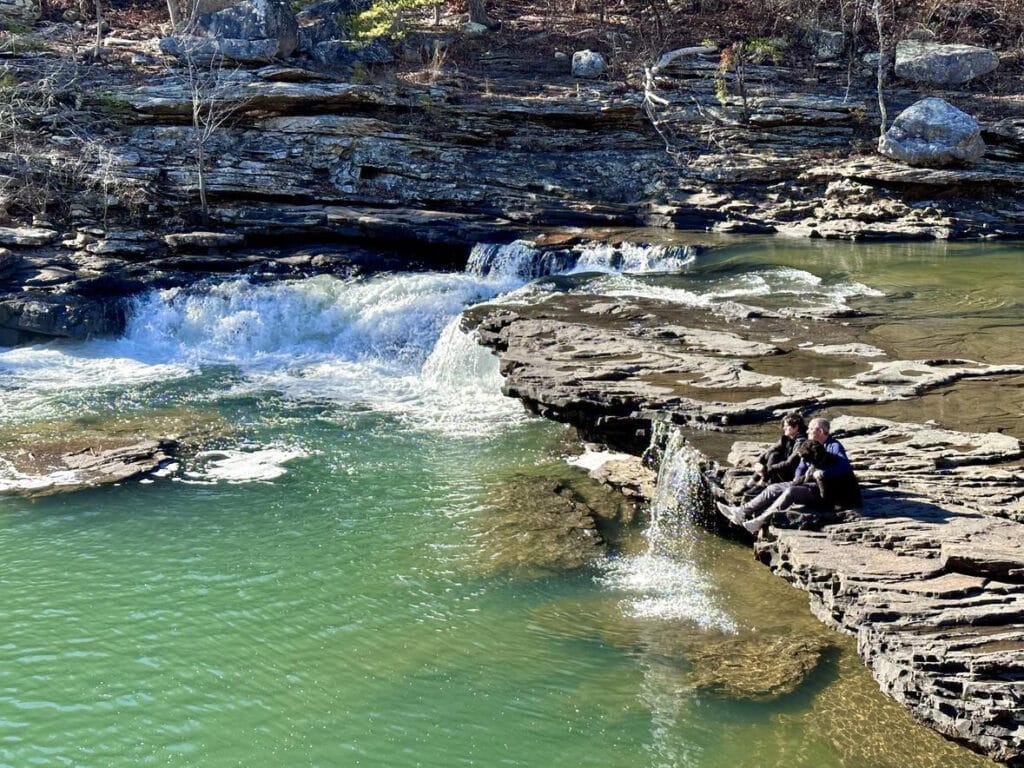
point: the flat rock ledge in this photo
(46, 458)
(928, 575)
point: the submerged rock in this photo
(756, 668)
(538, 522)
(44, 458)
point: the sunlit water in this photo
(312, 591)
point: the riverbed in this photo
(339, 578)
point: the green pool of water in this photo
(349, 612)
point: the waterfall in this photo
(662, 583)
(524, 261)
(682, 495)
(389, 342)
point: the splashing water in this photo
(662, 583)
(523, 261)
(681, 495)
(802, 288)
(388, 342)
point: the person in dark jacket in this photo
(804, 488)
(838, 490)
(778, 464)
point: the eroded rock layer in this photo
(929, 576)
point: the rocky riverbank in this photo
(929, 576)
(308, 169)
(316, 173)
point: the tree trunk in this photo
(174, 12)
(478, 14)
(99, 31)
(877, 11)
(204, 206)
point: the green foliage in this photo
(385, 18)
(110, 105)
(763, 49)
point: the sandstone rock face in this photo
(250, 31)
(26, 236)
(828, 44)
(588, 64)
(938, 64)
(939, 636)
(933, 132)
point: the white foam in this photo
(665, 588)
(45, 381)
(592, 459)
(809, 290)
(13, 481)
(235, 466)
(387, 319)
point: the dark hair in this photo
(812, 452)
(794, 420)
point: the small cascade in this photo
(523, 260)
(662, 582)
(635, 258)
(682, 495)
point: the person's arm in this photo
(841, 464)
(788, 464)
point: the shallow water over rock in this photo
(399, 594)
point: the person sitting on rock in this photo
(838, 490)
(802, 490)
(778, 464)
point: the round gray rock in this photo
(927, 62)
(588, 64)
(933, 133)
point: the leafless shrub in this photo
(214, 94)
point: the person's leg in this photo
(758, 504)
(793, 494)
(765, 499)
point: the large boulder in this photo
(252, 31)
(588, 64)
(938, 64)
(933, 133)
(20, 11)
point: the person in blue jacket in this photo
(829, 480)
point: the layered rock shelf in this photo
(313, 174)
(430, 169)
(929, 575)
